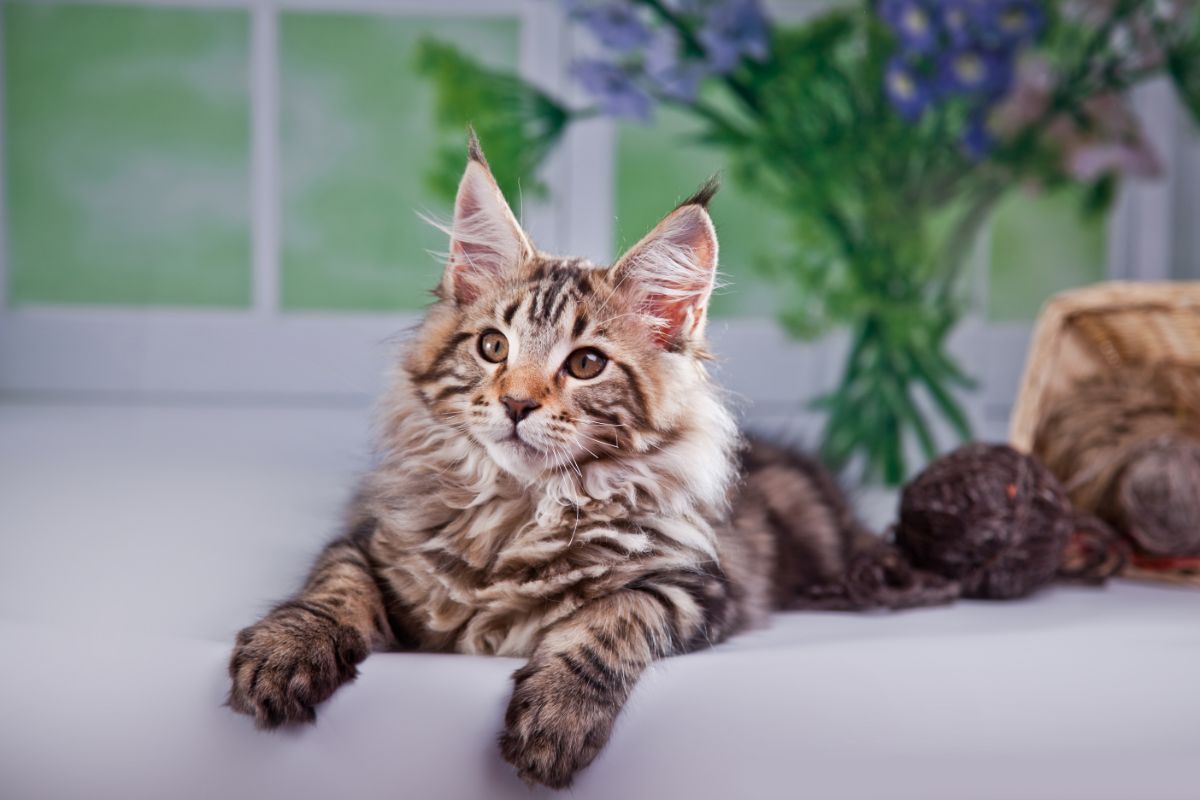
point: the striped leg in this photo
(306, 648)
(567, 697)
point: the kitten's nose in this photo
(518, 409)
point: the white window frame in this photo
(265, 354)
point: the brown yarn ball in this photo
(991, 518)
(1127, 446)
(1094, 551)
(1158, 498)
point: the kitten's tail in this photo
(825, 558)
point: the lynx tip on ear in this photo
(704, 194)
(474, 151)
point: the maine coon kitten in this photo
(557, 478)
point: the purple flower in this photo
(975, 71)
(690, 6)
(734, 29)
(960, 19)
(615, 25)
(1011, 22)
(672, 75)
(912, 22)
(614, 88)
(977, 139)
(907, 91)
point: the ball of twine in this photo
(1127, 447)
(1094, 551)
(988, 517)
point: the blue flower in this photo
(912, 23)
(960, 19)
(691, 6)
(977, 139)
(615, 25)
(975, 71)
(733, 30)
(672, 75)
(907, 91)
(614, 88)
(1012, 22)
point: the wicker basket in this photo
(1089, 331)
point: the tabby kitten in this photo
(557, 478)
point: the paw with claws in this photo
(283, 666)
(556, 724)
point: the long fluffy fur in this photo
(623, 520)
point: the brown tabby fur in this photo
(623, 520)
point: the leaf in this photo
(945, 402)
(909, 412)
(517, 123)
(1099, 197)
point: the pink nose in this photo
(518, 409)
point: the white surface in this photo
(134, 542)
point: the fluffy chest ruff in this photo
(483, 561)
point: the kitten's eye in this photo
(586, 363)
(493, 346)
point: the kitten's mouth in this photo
(521, 445)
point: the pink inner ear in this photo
(486, 241)
(673, 269)
(472, 266)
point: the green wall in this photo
(127, 155)
(1041, 244)
(357, 135)
(128, 168)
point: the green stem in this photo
(959, 244)
(709, 114)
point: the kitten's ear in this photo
(673, 269)
(486, 241)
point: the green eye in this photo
(493, 346)
(585, 363)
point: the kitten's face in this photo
(545, 370)
(549, 363)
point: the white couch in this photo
(134, 542)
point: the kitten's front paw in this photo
(555, 724)
(284, 665)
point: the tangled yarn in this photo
(998, 523)
(1127, 447)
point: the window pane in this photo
(358, 136)
(128, 155)
(1041, 244)
(656, 167)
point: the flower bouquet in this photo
(887, 130)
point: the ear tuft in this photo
(474, 151)
(672, 271)
(704, 195)
(486, 241)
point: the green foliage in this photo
(889, 208)
(864, 187)
(518, 123)
(827, 146)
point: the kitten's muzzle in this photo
(518, 409)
